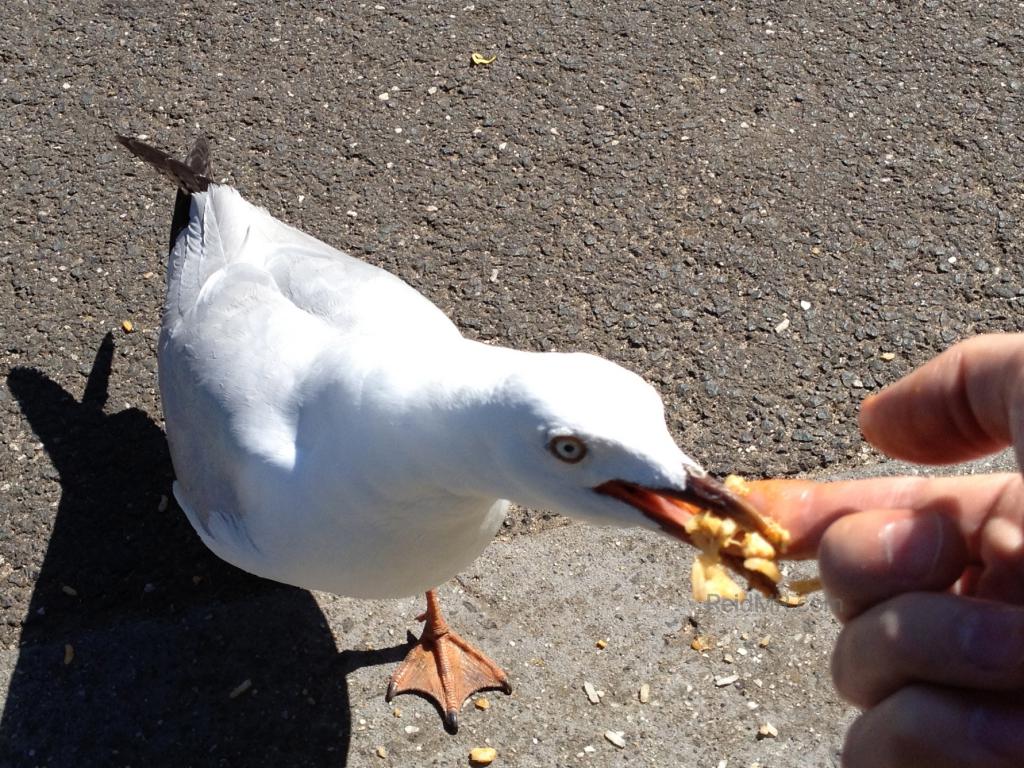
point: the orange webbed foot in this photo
(445, 668)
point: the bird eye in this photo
(568, 448)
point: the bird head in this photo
(587, 438)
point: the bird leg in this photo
(444, 668)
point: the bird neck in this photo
(453, 423)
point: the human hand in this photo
(927, 574)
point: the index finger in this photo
(966, 403)
(806, 508)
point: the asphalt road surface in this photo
(769, 211)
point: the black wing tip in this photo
(191, 176)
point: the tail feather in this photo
(190, 176)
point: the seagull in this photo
(332, 429)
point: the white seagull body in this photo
(331, 428)
(299, 387)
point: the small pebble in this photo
(482, 755)
(67, 590)
(617, 738)
(645, 693)
(723, 680)
(410, 729)
(382, 751)
(888, 356)
(591, 692)
(767, 731)
(241, 688)
(384, 96)
(162, 504)
(782, 326)
(805, 305)
(69, 653)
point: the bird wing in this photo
(254, 308)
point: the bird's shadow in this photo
(139, 646)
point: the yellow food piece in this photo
(482, 755)
(736, 484)
(482, 703)
(711, 579)
(701, 643)
(755, 545)
(127, 326)
(480, 60)
(763, 566)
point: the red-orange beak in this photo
(671, 508)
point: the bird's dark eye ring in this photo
(568, 448)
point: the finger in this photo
(807, 508)
(923, 637)
(868, 557)
(965, 403)
(926, 727)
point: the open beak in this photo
(670, 508)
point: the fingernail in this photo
(912, 546)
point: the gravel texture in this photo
(769, 212)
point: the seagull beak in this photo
(670, 508)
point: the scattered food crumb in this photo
(701, 643)
(69, 653)
(767, 731)
(645, 693)
(382, 751)
(602, 644)
(591, 692)
(792, 601)
(723, 680)
(617, 738)
(68, 590)
(482, 755)
(410, 729)
(397, 711)
(480, 60)
(127, 326)
(888, 356)
(241, 688)
(482, 703)
(764, 641)
(162, 504)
